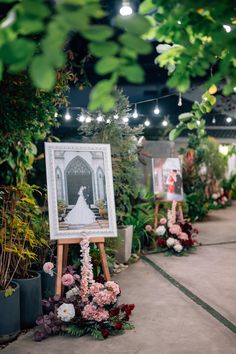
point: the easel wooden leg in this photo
(181, 216)
(157, 204)
(59, 269)
(105, 267)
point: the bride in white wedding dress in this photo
(80, 214)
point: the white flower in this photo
(214, 196)
(178, 247)
(161, 230)
(170, 242)
(66, 312)
(214, 203)
(72, 292)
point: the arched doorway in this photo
(78, 173)
(101, 184)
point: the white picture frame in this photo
(80, 190)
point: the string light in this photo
(147, 123)
(88, 119)
(214, 120)
(116, 116)
(227, 28)
(235, 89)
(228, 119)
(135, 113)
(81, 118)
(108, 121)
(126, 9)
(56, 114)
(198, 122)
(164, 123)
(156, 109)
(99, 118)
(125, 119)
(67, 115)
(180, 100)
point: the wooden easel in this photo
(62, 257)
(157, 207)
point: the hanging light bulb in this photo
(156, 109)
(67, 115)
(125, 119)
(108, 121)
(228, 119)
(135, 113)
(164, 123)
(147, 123)
(81, 118)
(235, 89)
(88, 119)
(126, 9)
(213, 120)
(56, 114)
(227, 28)
(116, 116)
(99, 118)
(180, 100)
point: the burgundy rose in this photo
(114, 312)
(118, 325)
(105, 332)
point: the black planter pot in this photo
(48, 284)
(30, 300)
(10, 315)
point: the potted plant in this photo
(24, 213)
(113, 130)
(9, 290)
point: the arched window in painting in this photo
(101, 184)
(59, 184)
(79, 173)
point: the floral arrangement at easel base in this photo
(218, 200)
(174, 237)
(88, 307)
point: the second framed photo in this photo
(80, 190)
(167, 179)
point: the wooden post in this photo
(157, 205)
(62, 257)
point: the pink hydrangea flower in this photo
(148, 228)
(175, 229)
(105, 297)
(67, 279)
(163, 221)
(95, 288)
(48, 268)
(112, 286)
(91, 312)
(183, 236)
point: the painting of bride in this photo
(81, 214)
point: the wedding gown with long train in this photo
(80, 214)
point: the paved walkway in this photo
(184, 305)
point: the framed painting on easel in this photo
(80, 190)
(167, 179)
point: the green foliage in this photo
(19, 213)
(229, 186)
(27, 116)
(76, 331)
(123, 149)
(195, 29)
(194, 120)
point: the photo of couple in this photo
(167, 179)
